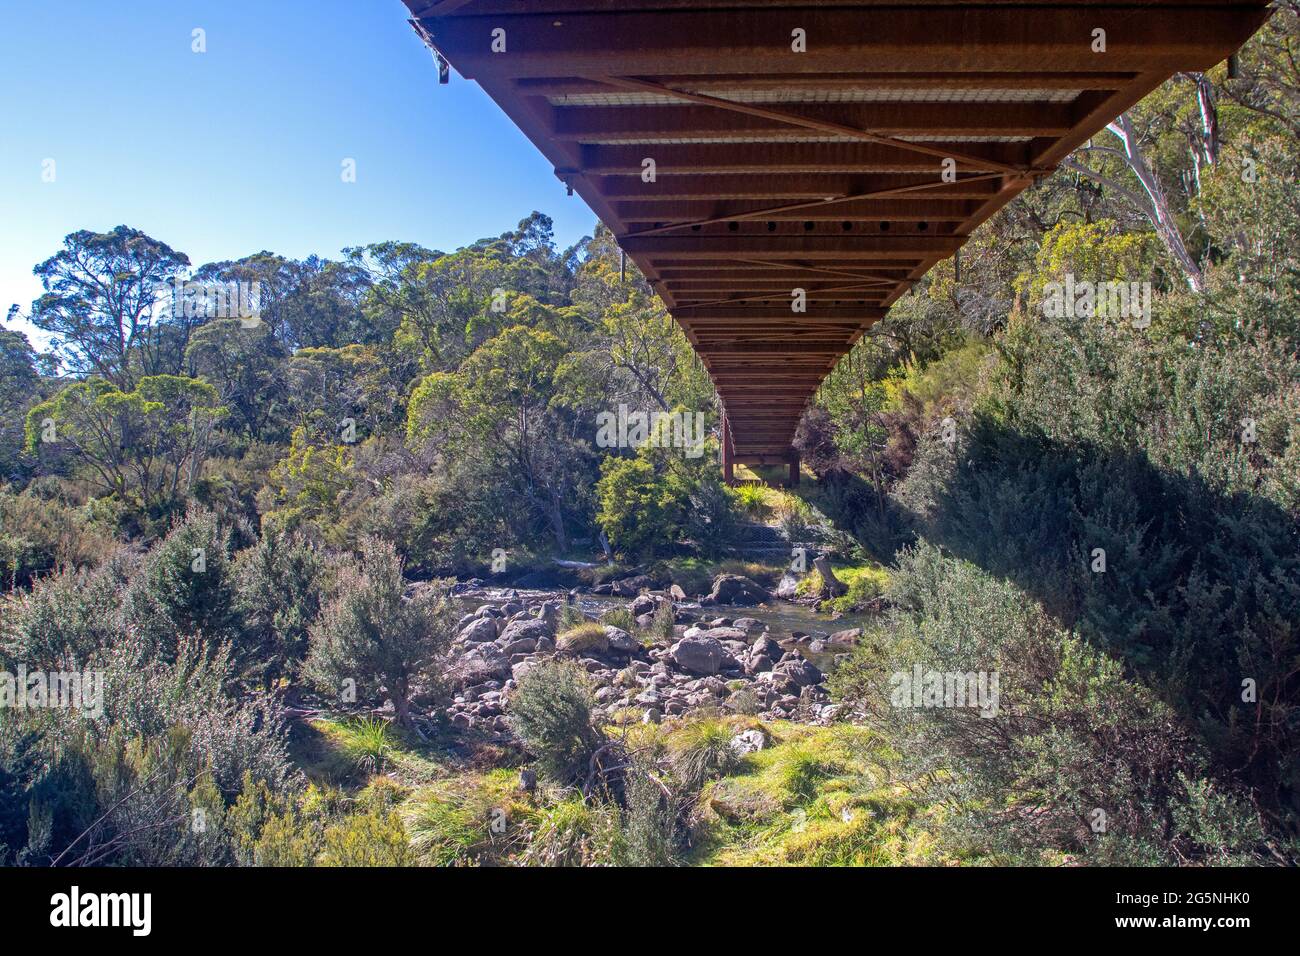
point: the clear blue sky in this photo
(235, 150)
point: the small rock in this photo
(748, 742)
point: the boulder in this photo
(642, 604)
(699, 655)
(788, 588)
(799, 671)
(483, 663)
(549, 612)
(525, 645)
(848, 636)
(621, 641)
(676, 593)
(520, 671)
(725, 634)
(736, 589)
(534, 628)
(480, 630)
(631, 587)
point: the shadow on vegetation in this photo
(1197, 592)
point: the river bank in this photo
(651, 657)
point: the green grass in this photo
(818, 796)
(589, 636)
(349, 751)
(751, 500)
(695, 575)
(815, 796)
(865, 583)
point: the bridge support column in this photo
(728, 455)
(794, 469)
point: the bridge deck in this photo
(846, 168)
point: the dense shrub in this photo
(279, 585)
(40, 534)
(66, 617)
(184, 586)
(1110, 482)
(652, 502)
(551, 711)
(1068, 734)
(369, 633)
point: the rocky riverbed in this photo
(682, 656)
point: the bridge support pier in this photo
(794, 470)
(728, 454)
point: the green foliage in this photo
(100, 302)
(751, 500)
(551, 711)
(185, 586)
(574, 833)
(279, 585)
(66, 617)
(585, 638)
(371, 635)
(368, 742)
(654, 501)
(635, 505)
(648, 819)
(701, 751)
(309, 482)
(19, 387)
(43, 533)
(147, 443)
(1074, 734)
(372, 838)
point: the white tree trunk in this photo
(1157, 205)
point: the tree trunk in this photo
(1209, 120)
(1157, 210)
(557, 523)
(832, 587)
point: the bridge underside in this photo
(755, 157)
